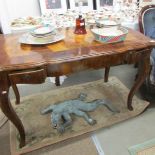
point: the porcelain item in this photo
(106, 23)
(42, 30)
(110, 34)
(29, 39)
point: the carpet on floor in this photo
(3, 119)
(39, 132)
(145, 148)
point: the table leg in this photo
(7, 108)
(12, 116)
(15, 89)
(143, 72)
(106, 74)
(57, 81)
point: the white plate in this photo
(25, 28)
(107, 22)
(42, 30)
(29, 39)
(91, 21)
(109, 31)
(45, 35)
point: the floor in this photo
(114, 140)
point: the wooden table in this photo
(27, 64)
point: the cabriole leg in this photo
(7, 108)
(143, 72)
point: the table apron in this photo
(37, 75)
(96, 62)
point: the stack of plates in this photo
(106, 23)
(41, 35)
(42, 31)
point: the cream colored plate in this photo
(107, 22)
(29, 39)
(109, 31)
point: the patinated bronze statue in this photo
(61, 112)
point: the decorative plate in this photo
(29, 39)
(91, 21)
(45, 35)
(108, 22)
(102, 23)
(42, 30)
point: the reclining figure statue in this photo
(61, 112)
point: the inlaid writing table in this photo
(29, 64)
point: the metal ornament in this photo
(61, 112)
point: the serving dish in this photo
(29, 39)
(110, 34)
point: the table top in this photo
(14, 55)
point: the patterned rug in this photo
(3, 119)
(39, 132)
(146, 148)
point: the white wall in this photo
(22, 8)
(4, 18)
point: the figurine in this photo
(80, 21)
(61, 112)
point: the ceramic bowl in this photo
(110, 34)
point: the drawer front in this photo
(28, 77)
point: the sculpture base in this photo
(39, 132)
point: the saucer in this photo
(42, 30)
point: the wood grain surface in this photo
(14, 55)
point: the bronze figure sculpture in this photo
(61, 112)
